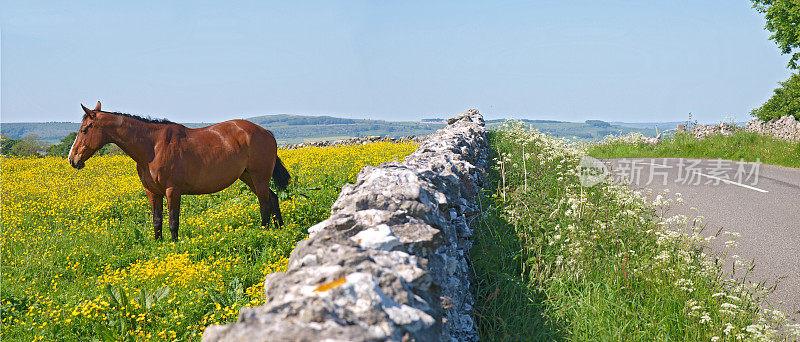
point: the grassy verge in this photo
(738, 146)
(557, 261)
(79, 262)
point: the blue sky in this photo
(192, 61)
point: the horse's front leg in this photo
(157, 205)
(174, 204)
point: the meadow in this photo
(79, 261)
(556, 260)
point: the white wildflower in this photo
(685, 284)
(753, 328)
(664, 255)
(705, 318)
(794, 329)
(728, 328)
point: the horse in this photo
(173, 160)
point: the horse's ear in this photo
(97, 108)
(88, 111)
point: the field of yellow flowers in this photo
(79, 261)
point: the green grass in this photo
(507, 306)
(740, 145)
(557, 261)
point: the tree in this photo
(28, 146)
(783, 20)
(786, 101)
(598, 123)
(62, 148)
(7, 143)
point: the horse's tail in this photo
(280, 175)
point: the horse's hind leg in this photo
(262, 191)
(273, 198)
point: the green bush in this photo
(62, 148)
(30, 145)
(786, 101)
(6, 144)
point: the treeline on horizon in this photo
(291, 129)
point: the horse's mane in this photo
(143, 119)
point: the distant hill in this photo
(300, 120)
(662, 126)
(591, 129)
(288, 129)
(50, 132)
(291, 129)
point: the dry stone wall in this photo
(787, 128)
(355, 141)
(391, 262)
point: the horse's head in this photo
(90, 138)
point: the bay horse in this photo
(174, 160)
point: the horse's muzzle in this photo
(78, 165)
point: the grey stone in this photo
(786, 128)
(355, 141)
(391, 262)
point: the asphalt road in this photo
(763, 208)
